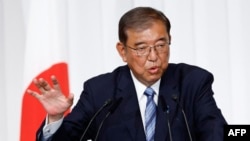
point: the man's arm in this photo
(53, 100)
(48, 130)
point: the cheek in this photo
(165, 57)
(164, 61)
(138, 65)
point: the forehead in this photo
(147, 34)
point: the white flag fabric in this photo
(45, 55)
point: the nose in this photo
(152, 56)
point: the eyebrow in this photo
(160, 39)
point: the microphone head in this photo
(115, 105)
(108, 102)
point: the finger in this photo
(37, 83)
(33, 93)
(44, 84)
(55, 83)
(41, 85)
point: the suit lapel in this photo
(130, 106)
(167, 89)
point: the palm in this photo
(53, 100)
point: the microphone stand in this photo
(176, 99)
(111, 110)
(165, 109)
(108, 102)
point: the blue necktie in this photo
(150, 114)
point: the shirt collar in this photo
(140, 88)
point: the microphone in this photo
(110, 111)
(106, 103)
(165, 109)
(176, 99)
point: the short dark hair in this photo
(140, 18)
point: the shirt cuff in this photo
(50, 129)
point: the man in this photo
(148, 99)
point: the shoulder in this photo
(187, 69)
(109, 77)
(187, 74)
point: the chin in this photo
(153, 79)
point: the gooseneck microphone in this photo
(176, 99)
(112, 108)
(165, 109)
(106, 103)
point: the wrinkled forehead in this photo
(150, 34)
(145, 26)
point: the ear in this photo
(122, 51)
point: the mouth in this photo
(153, 70)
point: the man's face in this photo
(149, 67)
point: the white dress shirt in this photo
(142, 99)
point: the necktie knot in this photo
(149, 92)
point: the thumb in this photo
(71, 98)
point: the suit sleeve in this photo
(209, 121)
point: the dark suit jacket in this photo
(191, 85)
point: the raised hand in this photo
(51, 97)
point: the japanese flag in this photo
(45, 55)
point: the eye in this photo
(141, 48)
(160, 46)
